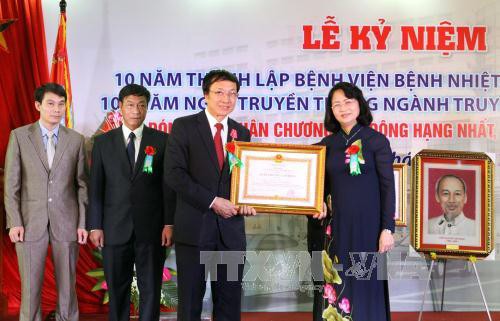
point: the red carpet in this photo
(305, 316)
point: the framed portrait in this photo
(453, 203)
(400, 174)
(278, 178)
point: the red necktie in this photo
(218, 144)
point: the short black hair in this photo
(438, 183)
(365, 117)
(134, 90)
(50, 87)
(218, 75)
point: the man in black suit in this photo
(131, 209)
(205, 220)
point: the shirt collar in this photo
(458, 220)
(137, 131)
(45, 130)
(212, 121)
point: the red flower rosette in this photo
(150, 150)
(230, 147)
(351, 150)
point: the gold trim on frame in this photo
(453, 251)
(320, 151)
(401, 186)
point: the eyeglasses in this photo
(220, 94)
(348, 103)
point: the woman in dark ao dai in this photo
(363, 208)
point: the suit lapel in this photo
(145, 141)
(35, 136)
(206, 136)
(62, 142)
(121, 150)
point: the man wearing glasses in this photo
(208, 227)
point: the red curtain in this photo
(23, 68)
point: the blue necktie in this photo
(131, 150)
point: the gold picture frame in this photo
(463, 226)
(279, 178)
(400, 180)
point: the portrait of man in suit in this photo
(205, 220)
(451, 194)
(131, 209)
(45, 201)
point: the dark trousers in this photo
(191, 279)
(118, 262)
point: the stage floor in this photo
(305, 316)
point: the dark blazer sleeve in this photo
(96, 194)
(169, 198)
(246, 136)
(177, 169)
(383, 163)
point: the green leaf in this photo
(331, 314)
(97, 273)
(169, 285)
(169, 294)
(134, 299)
(97, 255)
(106, 298)
(97, 287)
(170, 302)
(329, 272)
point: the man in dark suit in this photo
(131, 210)
(205, 220)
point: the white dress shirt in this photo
(45, 138)
(212, 121)
(138, 137)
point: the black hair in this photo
(134, 90)
(218, 75)
(365, 117)
(49, 87)
(438, 183)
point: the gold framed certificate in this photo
(279, 178)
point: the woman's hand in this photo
(385, 241)
(322, 214)
(247, 210)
